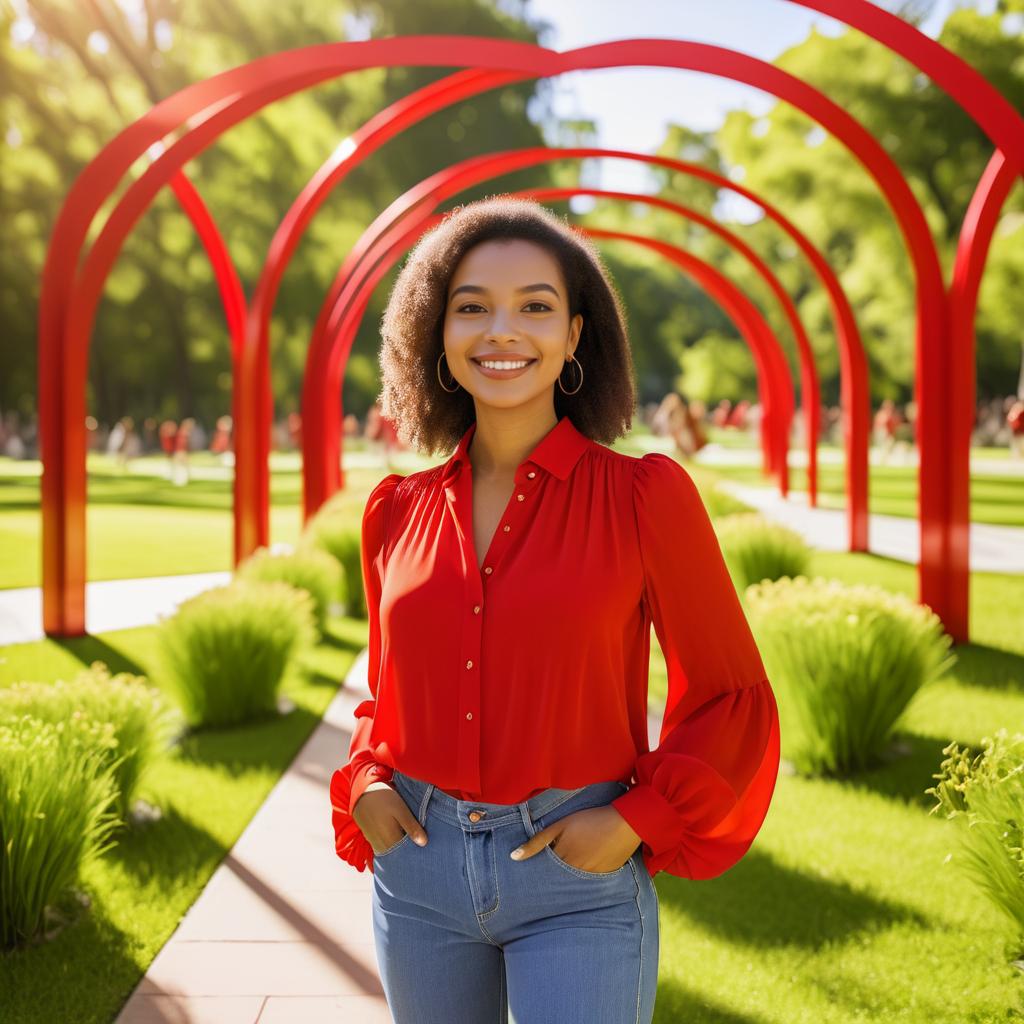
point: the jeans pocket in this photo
(392, 847)
(583, 800)
(407, 836)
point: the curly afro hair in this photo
(432, 420)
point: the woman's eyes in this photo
(473, 307)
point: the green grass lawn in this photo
(142, 525)
(847, 908)
(892, 490)
(209, 790)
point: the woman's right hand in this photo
(384, 817)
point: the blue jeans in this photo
(466, 935)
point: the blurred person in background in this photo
(381, 434)
(182, 445)
(720, 417)
(737, 418)
(674, 419)
(886, 420)
(293, 421)
(168, 432)
(150, 435)
(1015, 423)
(115, 438)
(131, 446)
(222, 441)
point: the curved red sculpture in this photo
(853, 362)
(321, 446)
(336, 326)
(214, 105)
(810, 389)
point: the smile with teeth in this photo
(503, 364)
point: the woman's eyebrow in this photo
(477, 290)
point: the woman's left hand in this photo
(594, 839)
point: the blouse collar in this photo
(557, 451)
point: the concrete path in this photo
(715, 454)
(993, 548)
(110, 604)
(282, 934)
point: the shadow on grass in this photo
(166, 851)
(676, 1004)
(90, 648)
(101, 952)
(341, 641)
(760, 903)
(906, 777)
(990, 668)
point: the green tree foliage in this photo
(74, 72)
(831, 197)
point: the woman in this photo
(511, 592)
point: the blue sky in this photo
(633, 105)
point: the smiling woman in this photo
(499, 784)
(514, 271)
(506, 329)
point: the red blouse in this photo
(531, 671)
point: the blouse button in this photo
(469, 714)
(469, 664)
(488, 570)
(507, 528)
(521, 497)
(531, 474)
(476, 609)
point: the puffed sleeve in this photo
(701, 796)
(349, 782)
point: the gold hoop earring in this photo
(570, 361)
(451, 391)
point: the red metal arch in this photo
(930, 292)
(234, 300)
(810, 389)
(853, 362)
(972, 253)
(324, 418)
(61, 396)
(337, 323)
(321, 448)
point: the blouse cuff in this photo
(346, 787)
(700, 799)
(650, 816)
(349, 842)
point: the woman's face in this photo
(507, 330)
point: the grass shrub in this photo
(987, 793)
(307, 567)
(339, 536)
(57, 788)
(756, 549)
(226, 650)
(144, 723)
(847, 661)
(718, 501)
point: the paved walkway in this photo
(120, 604)
(715, 454)
(282, 934)
(109, 604)
(993, 548)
